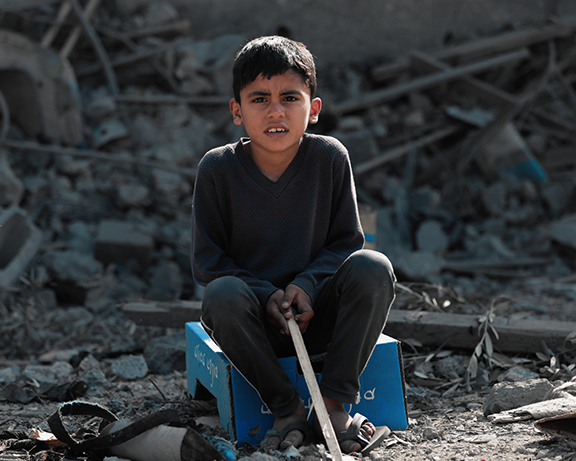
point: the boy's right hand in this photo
(282, 305)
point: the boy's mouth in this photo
(276, 130)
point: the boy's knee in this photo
(227, 296)
(373, 265)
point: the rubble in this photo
(464, 155)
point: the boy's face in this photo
(275, 113)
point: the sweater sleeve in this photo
(210, 240)
(344, 237)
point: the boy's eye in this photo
(290, 98)
(259, 99)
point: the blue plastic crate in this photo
(246, 418)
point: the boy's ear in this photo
(315, 107)
(236, 111)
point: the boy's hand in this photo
(297, 299)
(281, 305)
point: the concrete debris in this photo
(20, 240)
(41, 90)
(564, 230)
(130, 367)
(538, 410)
(11, 188)
(118, 242)
(166, 354)
(507, 396)
(465, 161)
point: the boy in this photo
(276, 233)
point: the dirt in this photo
(446, 420)
(451, 428)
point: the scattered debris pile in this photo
(465, 155)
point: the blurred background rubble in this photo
(463, 147)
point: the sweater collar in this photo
(274, 187)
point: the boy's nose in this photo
(276, 110)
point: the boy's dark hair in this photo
(270, 56)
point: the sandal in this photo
(301, 426)
(353, 433)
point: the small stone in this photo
(130, 367)
(430, 433)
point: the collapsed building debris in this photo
(465, 155)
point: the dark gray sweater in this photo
(298, 229)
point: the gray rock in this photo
(516, 374)
(417, 265)
(506, 395)
(166, 353)
(7, 375)
(130, 367)
(72, 265)
(166, 282)
(48, 376)
(95, 378)
(453, 364)
(431, 237)
(555, 195)
(88, 363)
(132, 195)
(564, 230)
(494, 198)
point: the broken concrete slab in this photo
(20, 240)
(509, 395)
(40, 89)
(119, 241)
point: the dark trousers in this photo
(349, 315)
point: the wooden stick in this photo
(399, 151)
(63, 13)
(429, 81)
(317, 399)
(75, 34)
(95, 155)
(100, 51)
(483, 47)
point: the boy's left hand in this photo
(301, 304)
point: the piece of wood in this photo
(318, 401)
(181, 26)
(95, 155)
(134, 57)
(172, 99)
(483, 47)
(163, 314)
(461, 331)
(489, 94)
(61, 16)
(75, 34)
(97, 44)
(399, 151)
(429, 328)
(506, 268)
(427, 82)
(16, 5)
